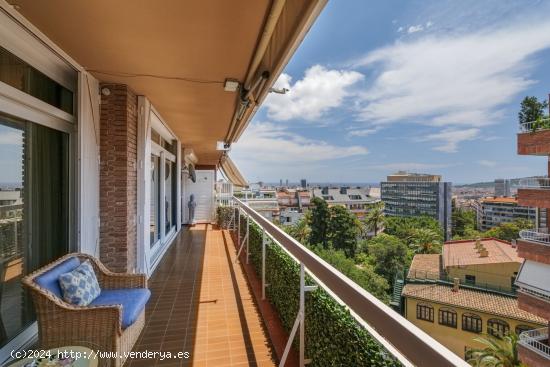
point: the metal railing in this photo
(535, 182)
(405, 341)
(534, 340)
(532, 126)
(534, 236)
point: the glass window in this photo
(168, 196)
(471, 322)
(470, 279)
(425, 312)
(155, 200)
(34, 186)
(447, 317)
(174, 194)
(497, 328)
(18, 74)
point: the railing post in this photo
(263, 263)
(299, 322)
(239, 225)
(247, 236)
(301, 314)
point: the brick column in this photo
(118, 177)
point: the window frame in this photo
(425, 312)
(472, 316)
(498, 334)
(448, 311)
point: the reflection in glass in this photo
(33, 200)
(155, 200)
(168, 195)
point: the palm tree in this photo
(425, 241)
(300, 230)
(498, 352)
(374, 221)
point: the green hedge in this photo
(333, 336)
(223, 216)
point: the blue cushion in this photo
(80, 286)
(133, 301)
(50, 279)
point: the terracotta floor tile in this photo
(201, 303)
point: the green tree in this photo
(388, 254)
(498, 352)
(463, 220)
(403, 227)
(364, 274)
(374, 220)
(300, 230)
(425, 241)
(509, 231)
(319, 222)
(343, 230)
(531, 109)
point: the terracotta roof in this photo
(500, 200)
(425, 266)
(487, 302)
(457, 253)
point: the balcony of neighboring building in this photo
(534, 192)
(534, 138)
(534, 245)
(534, 288)
(534, 350)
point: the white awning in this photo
(232, 172)
(534, 276)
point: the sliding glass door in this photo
(163, 194)
(34, 213)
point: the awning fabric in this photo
(534, 276)
(232, 172)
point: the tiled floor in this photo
(201, 304)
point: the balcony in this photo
(534, 138)
(331, 317)
(534, 245)
(533, 347)
(534, 192)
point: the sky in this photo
(422, 86)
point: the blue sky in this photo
(424, 86)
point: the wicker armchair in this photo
(96, 327)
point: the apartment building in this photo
(413, 194)
(293, 204)
(502, 188)
(534, 246)
(466, 292)
(357, 199)
(497, 210)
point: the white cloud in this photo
(451, 80)
(415, 28)
(408, 166)
(11, 138)
(486, 163)
(319, 91)
(448, 139)
(270, 144)
(400, 29)
(429, 24)
(363, 132)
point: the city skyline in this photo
(365, 104)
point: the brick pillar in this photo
(118, 178)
